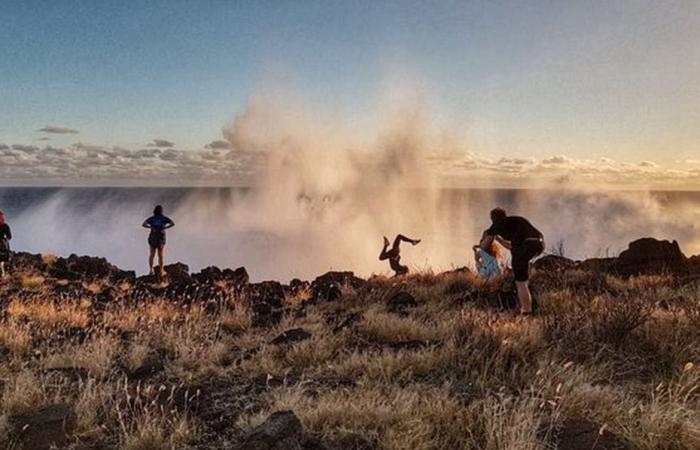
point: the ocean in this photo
(307, 234)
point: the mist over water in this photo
(304, 239)
(324, 198)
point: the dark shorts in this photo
(156, 240)
(521, 256)
(5, 252)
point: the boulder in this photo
(597, 264)
(209, 274)
(105, 296)
(87, 268)
(269, 292)
(265, 315)
(582, 434)
(291, 336)
(213, 274)
(694, 263)
(128, 276)
(178, 273)
(62, 273)
(237, 277)
(282, 430)
(297, 286)
(28, 262)
(554, 263)
(649, 255)
(45, 428)
(401, 302)
(328, 286)
(266, 301)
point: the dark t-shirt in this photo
(514, 229)
(5, 233)
(158, 223)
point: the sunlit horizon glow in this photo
(507, 94)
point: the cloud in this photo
(218, 145)
(57, 130)
(161, 143)
(25, 148)
(91, 163)
(97, 164)
(559, 159)
(651, 164)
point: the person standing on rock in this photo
(524, 241)
(393, 253)
(157, 223)
(5, 236)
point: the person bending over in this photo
(5, 236)
(393, 253)
(157, 223)
(524, 241)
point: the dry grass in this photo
(32, 281)
(451, 373)
(51, 314)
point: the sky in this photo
(116, 92)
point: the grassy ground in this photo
(453, 372)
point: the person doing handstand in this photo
(393, 253)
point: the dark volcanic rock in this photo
(47, 427)
(266, 301)
(213, 274)
(401, 302)
(554, 263)
(282, 430)
(597, 264)
(209, 274)
(269, 292)
(694, 263)
(238, 276)
(328, 286)
(297, 286)
(649, 255)
(62, 273)
(177, 273)
(265, 315)
(582, 434)
(28, 262)
(87, 268)
(291, 336)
